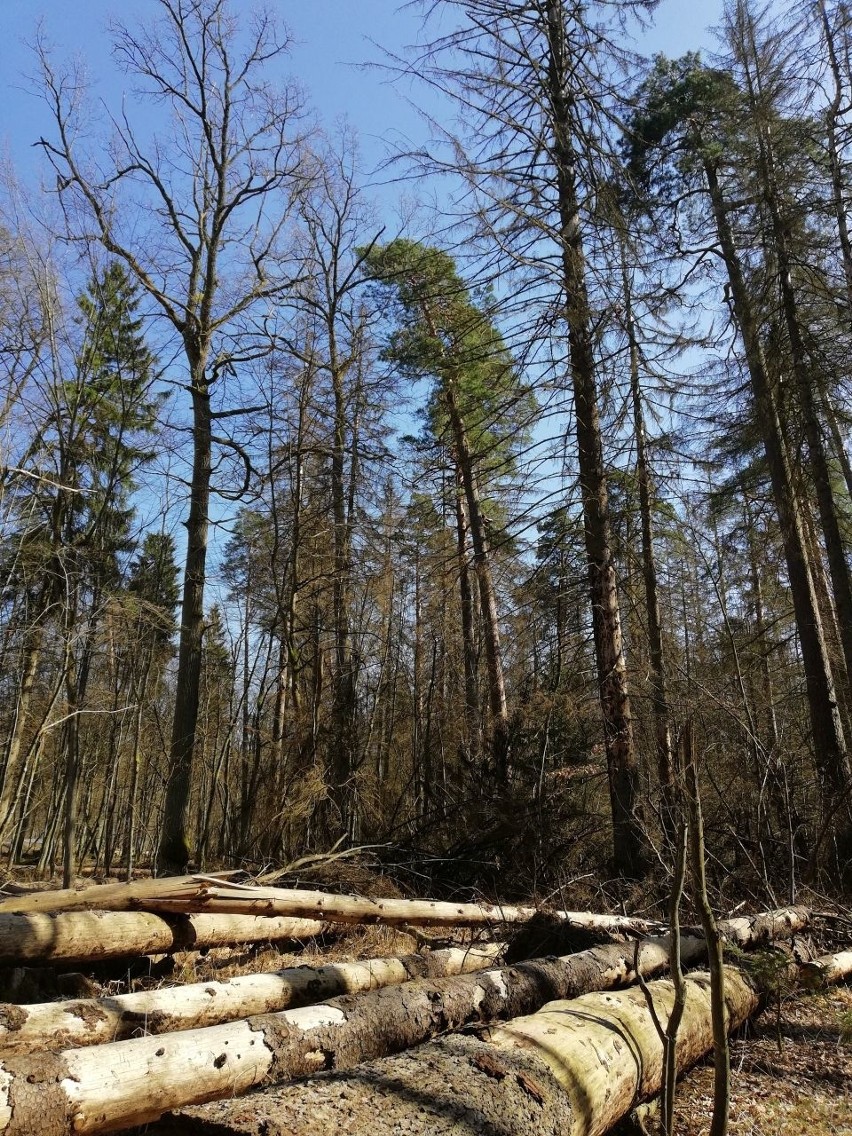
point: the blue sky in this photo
(332, 37)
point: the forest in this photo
(482, 543)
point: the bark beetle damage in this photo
(12, 1018)
(450, 1091)
(395, 1018)
(36, 1098)
(89, 1012)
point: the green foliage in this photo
(441, 331)
(676, 104)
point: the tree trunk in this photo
(629, 842)
(574, 1067)
(358, 909)
(841, 584)
(62, 1025)
(132, 1082)
(829, 743)
(94, 935)
(487, 593)
(656, 656)
(826, 970)
(173, 852)
(471, 678)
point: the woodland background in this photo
(531, 507)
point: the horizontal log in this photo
(827, 970)
(105, 897)
(748, 931)
(93, 935)
(572, 1069)
(94, 1021)
(133, 1082)
(233, 898)
(81, 1022)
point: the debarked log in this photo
(114, 1086)
(94, 935)
(105, 897)
(572, 1069)
(94, 1021)
(826, 970)
(229, 898)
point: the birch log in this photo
(233, 898)
(94, 1021)
(95, 935)
(572, 1069)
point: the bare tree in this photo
(216, 194)
(535, 84)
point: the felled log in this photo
(575, 1067)
(95, 935)
(232, 898)
(130, 1082)
(106, 897)
(81, 1022)
(93, 1021)
(133, 1082)
(826, 970)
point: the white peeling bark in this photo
(827, 970)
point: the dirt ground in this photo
(792, 1076)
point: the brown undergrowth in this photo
(792, 1075)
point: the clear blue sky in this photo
(331, 38)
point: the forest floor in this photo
(791, 1073)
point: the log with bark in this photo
(93, 1021)
(572, 1069)
(94, 935)
(132, 1082)
(827, 970)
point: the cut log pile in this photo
(561, 1044)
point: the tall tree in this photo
(675, 142)
(536, 81)
(477, 397)
(215, 195)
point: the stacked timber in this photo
(562, 1044)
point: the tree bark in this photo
(173, 852)
(629, 842)
(62, 1025)
(574, 1067)
(827, 970)
(133, 1082)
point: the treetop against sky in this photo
(331, 42)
